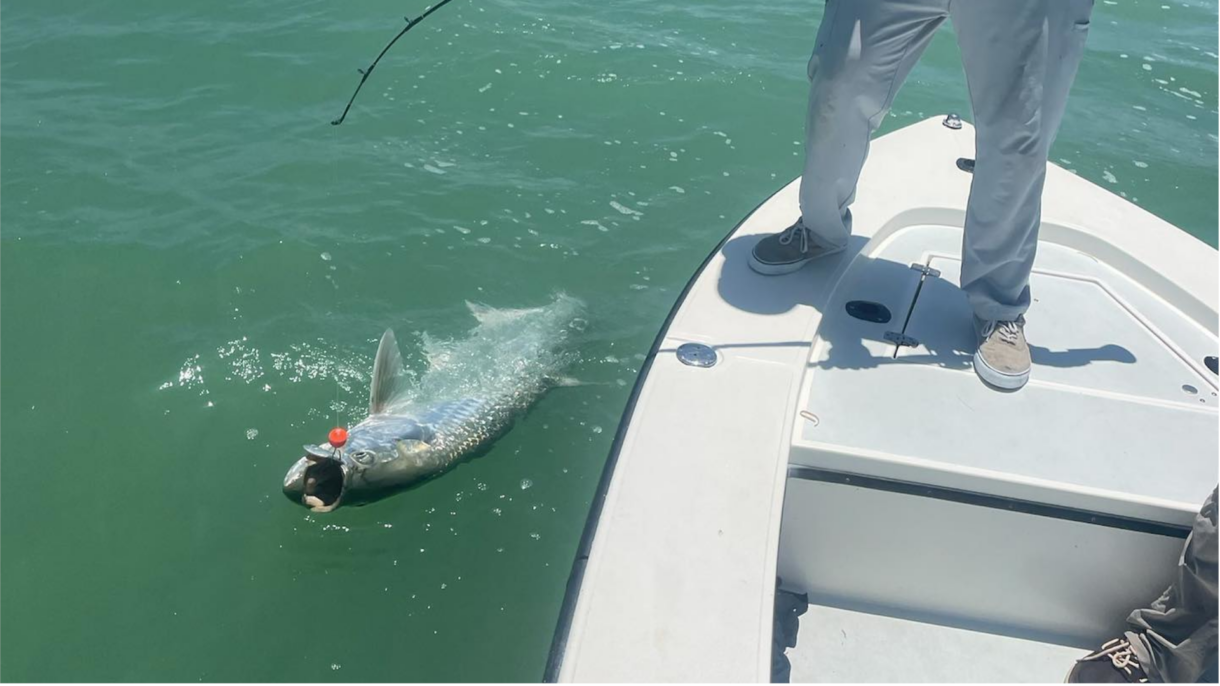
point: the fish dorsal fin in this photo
(387, 372)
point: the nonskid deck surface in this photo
(839, 645)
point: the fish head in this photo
(377, 456)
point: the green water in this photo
(173, 332)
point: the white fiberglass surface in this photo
(836, 645)
(1119, 400)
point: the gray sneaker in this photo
(788, 250)
(1002, 359)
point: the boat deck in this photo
(1118, 417)
(1016, 527)
(847, 646)
(922, 511)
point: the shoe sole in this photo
(778, 269)
(1008, 382)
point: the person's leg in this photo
(1175, 638)
(1020, 60)
(864, 51)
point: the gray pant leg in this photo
(864, 51)
(1175, 638)
(1020, 58)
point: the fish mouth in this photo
(324, 482)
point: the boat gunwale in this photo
(567, 612)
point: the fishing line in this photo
(365, 73)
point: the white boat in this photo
(942, 530)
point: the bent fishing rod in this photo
(365, 73)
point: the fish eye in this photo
(363, 456)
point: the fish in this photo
(470, 396)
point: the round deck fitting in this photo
(696, 355)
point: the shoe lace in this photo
(790, 233)
(1121, 655)
(1009, 332)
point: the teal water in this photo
(196, 266)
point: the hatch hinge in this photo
(901, 339)
(926, 270)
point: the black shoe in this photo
(1115, 663)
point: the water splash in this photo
(323, 360)
(507, 352)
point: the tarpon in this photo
(402, 442)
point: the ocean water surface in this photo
(196, 268)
